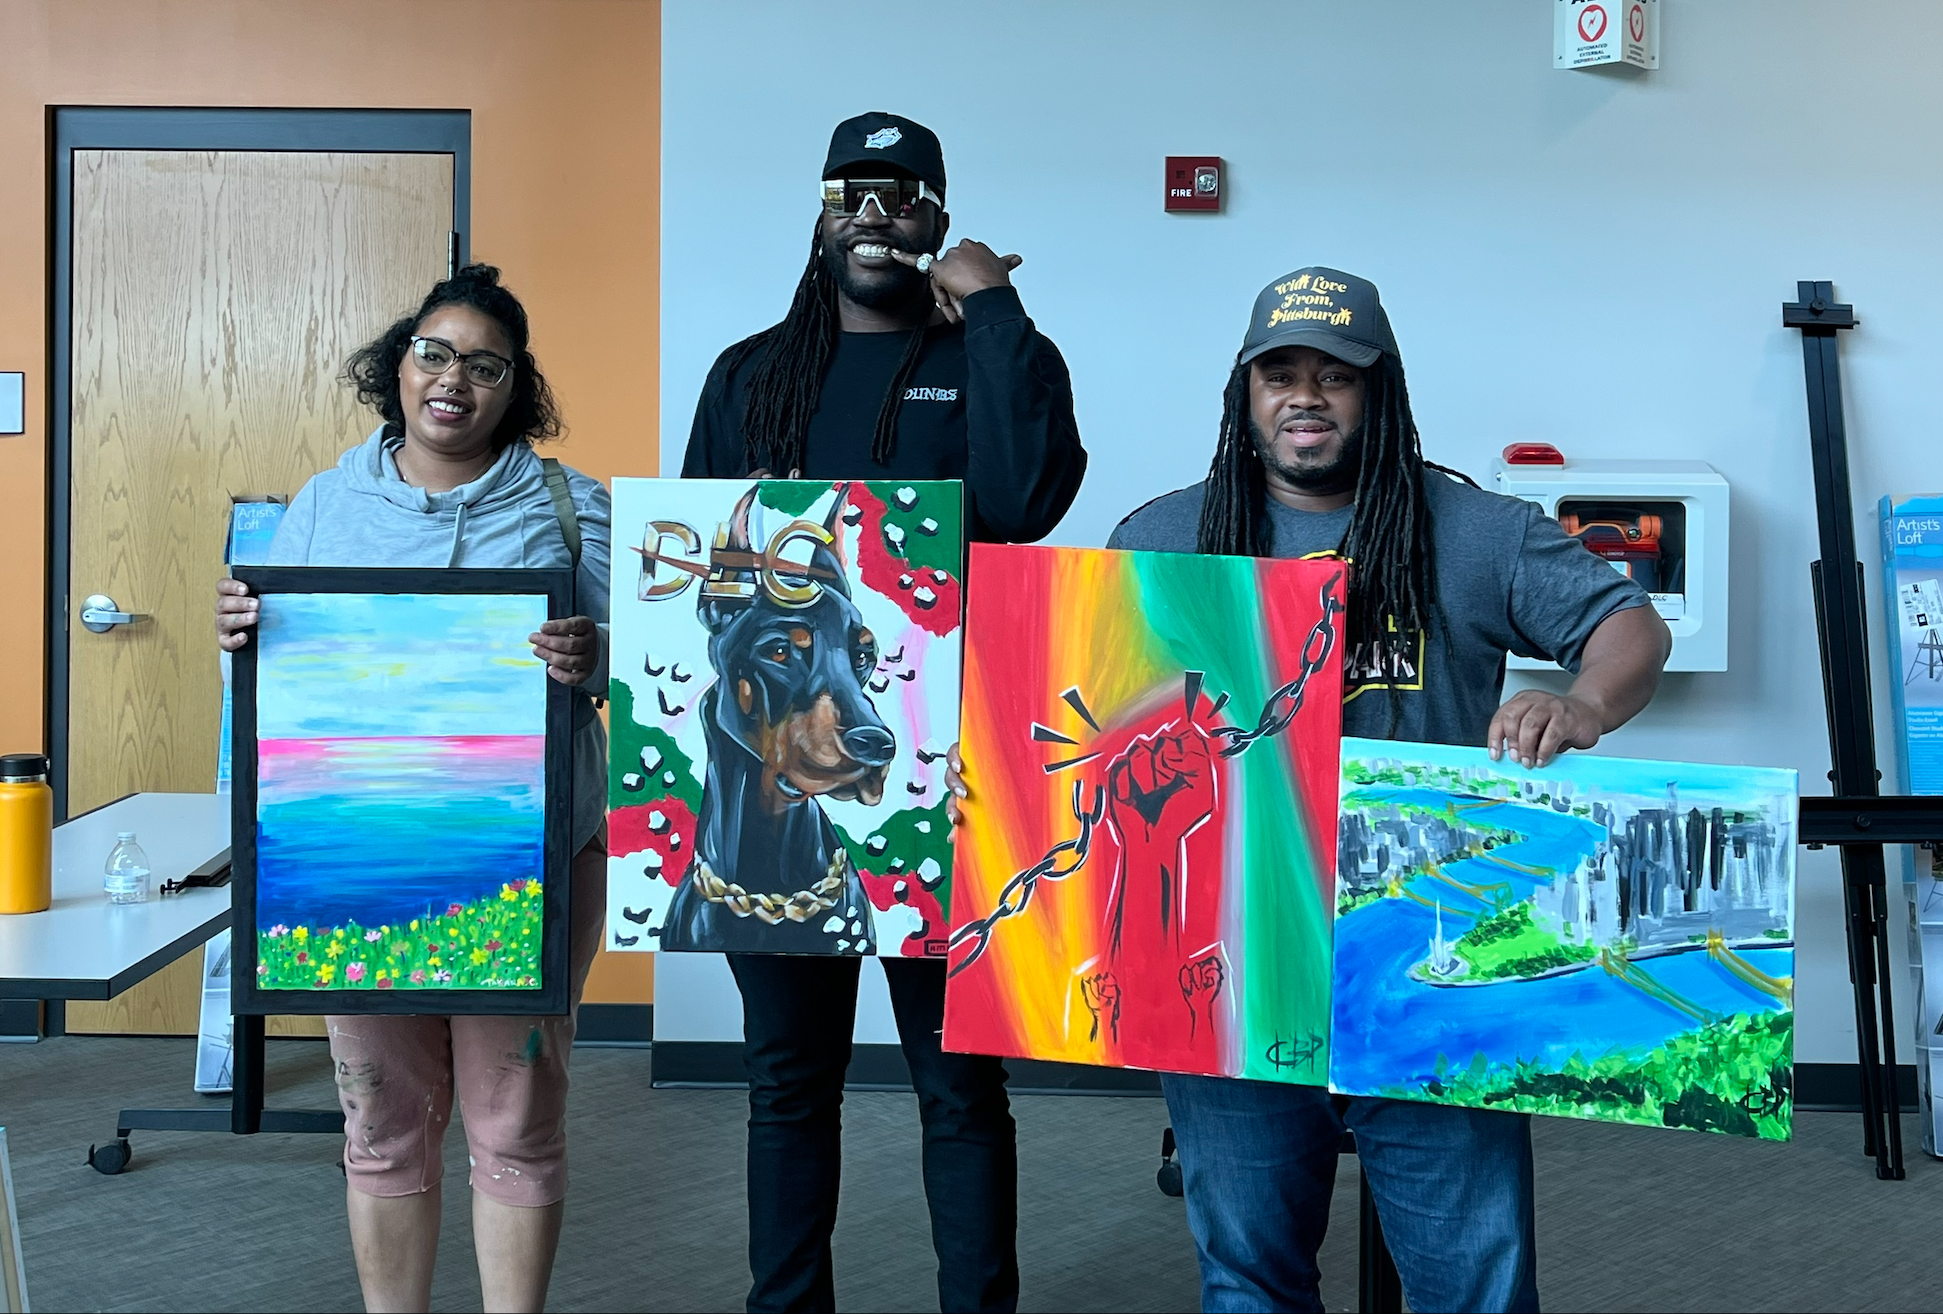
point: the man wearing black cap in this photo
(1319, 455)
(894, 361)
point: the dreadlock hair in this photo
(791, 359)
(1388, 542)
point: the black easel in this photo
(1858, 818)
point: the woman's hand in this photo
(955, 782)
(236, 613)
(570, 648)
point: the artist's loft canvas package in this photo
(402, 794)
(1912, 577)
(785, 684)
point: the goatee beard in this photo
(1339, 476)
(898, 288)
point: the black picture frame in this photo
(554, 993)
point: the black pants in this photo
(798, 1013)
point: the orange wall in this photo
(566, 110)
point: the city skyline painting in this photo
(1601, 938)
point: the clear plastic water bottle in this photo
(125, 878)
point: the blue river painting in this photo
(1601, 938)
(401, 754)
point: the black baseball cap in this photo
(878, 139)
(1322, 308)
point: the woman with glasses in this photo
(450, 479)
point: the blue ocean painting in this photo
(401, 756)
(1605, 938)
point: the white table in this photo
(84, 947)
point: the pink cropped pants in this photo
(396, 1077)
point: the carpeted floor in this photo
(1629, 1219)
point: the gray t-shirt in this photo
(1509, 579)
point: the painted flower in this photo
(338, 933)
(372, 937)
(441, 977)
(301, 934)
(303, 956)
(384, 983)
(334, 949)
(494, 946)
(434, 960)
(480, 957)
(455, 910)
(414, 925)
(263, 969)
(508, 893)
(532, 889)
(354, 973)
(418, 976)
(518, 885)
(278, 931)
(326, 972)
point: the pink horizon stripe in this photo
(479, 746)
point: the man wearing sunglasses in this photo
(894, 362)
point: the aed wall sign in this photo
(1587, 33)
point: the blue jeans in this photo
(1453, 1188)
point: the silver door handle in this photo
(101, 613)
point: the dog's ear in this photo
(715, 609)
(838, 505)
(830, 557)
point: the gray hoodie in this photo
(362, 513)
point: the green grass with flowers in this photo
(490, 944)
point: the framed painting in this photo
(402, 794)
(1599, 938)
(1144, 869)
(785, 685)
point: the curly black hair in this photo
(373, 368)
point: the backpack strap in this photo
(556, 487)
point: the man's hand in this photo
(236, 612)
(570, 648)
(955, 782)
(1534, 727)
(966, 268)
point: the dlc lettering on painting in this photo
(1599, 938)
(1143, 872)
(785, 682)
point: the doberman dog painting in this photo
(785, 682)
(1144, 871)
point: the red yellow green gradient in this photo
(1194, 936)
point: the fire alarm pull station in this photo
(1194, 182)
(1662, 524)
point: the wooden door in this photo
(216, 297)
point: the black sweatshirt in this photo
(989, 402)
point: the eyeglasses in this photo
(896, 198)
(481, 367)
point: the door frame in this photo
(97, 128)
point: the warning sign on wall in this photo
(1586, 33)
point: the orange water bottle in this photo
(26, 834)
